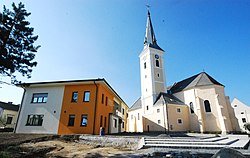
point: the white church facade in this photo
(197, 103)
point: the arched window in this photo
(191, 107)
(157, 63)
(207, 106)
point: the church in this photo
(195, 104)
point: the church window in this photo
(179, 121)
(158, 110)
(157, 63)
(235, 106)
(159, 121)
(244, 120)
(178, 110)
(191, 107)
(138, 116)
(158, 75)
(145, 65)
(132, 117)
(242, 113)
(207, 106)
(147, 107)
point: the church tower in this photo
(151, 68)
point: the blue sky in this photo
(83, 39)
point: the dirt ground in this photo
(29, 145)
(72, 149)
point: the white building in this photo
(242, 113)
(197, 103)
(51, 108)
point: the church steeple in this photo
(150, 39)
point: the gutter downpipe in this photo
(19, 111)
(96, 93)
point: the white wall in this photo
(135, 124)
(216, 120)
(51, 110)
(241, 111)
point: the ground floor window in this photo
(84, 120)
(9, 120)
(159, 121)
(115, 123)
(71, 121)
(35, 120)
(179, 121)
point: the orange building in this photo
(72, 107)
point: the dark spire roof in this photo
(150, 39)
(201, 79)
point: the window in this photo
(132, 117)
(123, 111)
(40, 98)
(84, 120)
(179, 121)
(71, 120)
(86, 96)
(158, 110)
(242, 113)
(178, 110)
(159, 121)
(115, 123)
(138, 116)
(122, 124)
(106, 101)
(145, 76)
(74, 97)
(147, 107)
(34, 120)
(244, 120)
(145, 65)
(158, 75)
(207, 106)
(105, 122)
(157, 63)
(191, 107)
(235, 106)
(102, 98)
(101, 121)
(9, 120)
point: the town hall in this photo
(197, 103)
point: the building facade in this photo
(197, 103)
(8, 115)
(242, 113)
(71, 107)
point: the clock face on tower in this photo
(156, 56)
